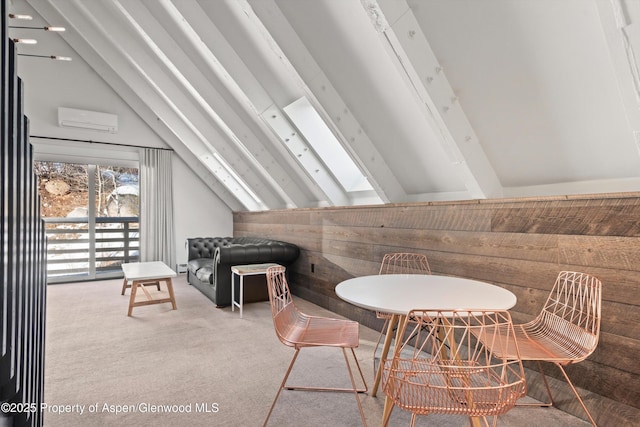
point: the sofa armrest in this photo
(199, 247)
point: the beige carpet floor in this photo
(202, 366)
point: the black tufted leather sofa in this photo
(210, 260)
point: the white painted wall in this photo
(51, 84)
(197, 212)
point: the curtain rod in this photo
(98, 142)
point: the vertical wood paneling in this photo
(23, 257)
(520, 244)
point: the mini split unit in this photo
(93, 120)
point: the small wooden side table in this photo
(241, 271)
(145, 273)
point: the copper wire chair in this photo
(567, 329)
(399, 263)
(298, 330)
(446, 369)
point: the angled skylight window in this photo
(323, 141)
(227, 176)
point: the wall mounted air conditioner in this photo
(93, 120)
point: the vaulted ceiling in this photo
(428, 99)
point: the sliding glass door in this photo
(91, 217)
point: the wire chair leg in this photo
(340, 389)
(282, 385)
(551, 402)
(354, 389)
(364, 382)
(353, 382)
(546, 385)
(577, 395)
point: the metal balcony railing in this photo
(76, 252)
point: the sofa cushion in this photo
(202, 268)
(205, 274)
(198, 263)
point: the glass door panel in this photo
(91, 218)
(116, 219)
(64, 196)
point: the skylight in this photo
(323, 141)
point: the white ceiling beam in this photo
(134, 89)
(414, 57)
(282, 127)
(230, 30)
(200, 102)
(163, 60)
(252, 160)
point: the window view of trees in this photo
(88, 243)
(64, 190)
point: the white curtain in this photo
(157, 240)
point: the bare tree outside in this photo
(88, 242)
(64, 190)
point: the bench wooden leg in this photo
(132, 299)
(171, 295)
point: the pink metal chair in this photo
(567, 329)
(399, 263)
(298, 330)
(442, 367)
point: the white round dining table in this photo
(401, 293)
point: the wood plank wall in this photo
(519, 244)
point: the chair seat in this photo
(312, 331)
(546, 347)
(550, 348)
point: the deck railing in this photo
(75, 253)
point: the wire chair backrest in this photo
(404, 263)
(571, 315)
(287, 320)
(447, 365)
(279, 294)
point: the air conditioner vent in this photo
(84, 119)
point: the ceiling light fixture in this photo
(56, 57)
(18, 16)
(25, 41)
(47, 28)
